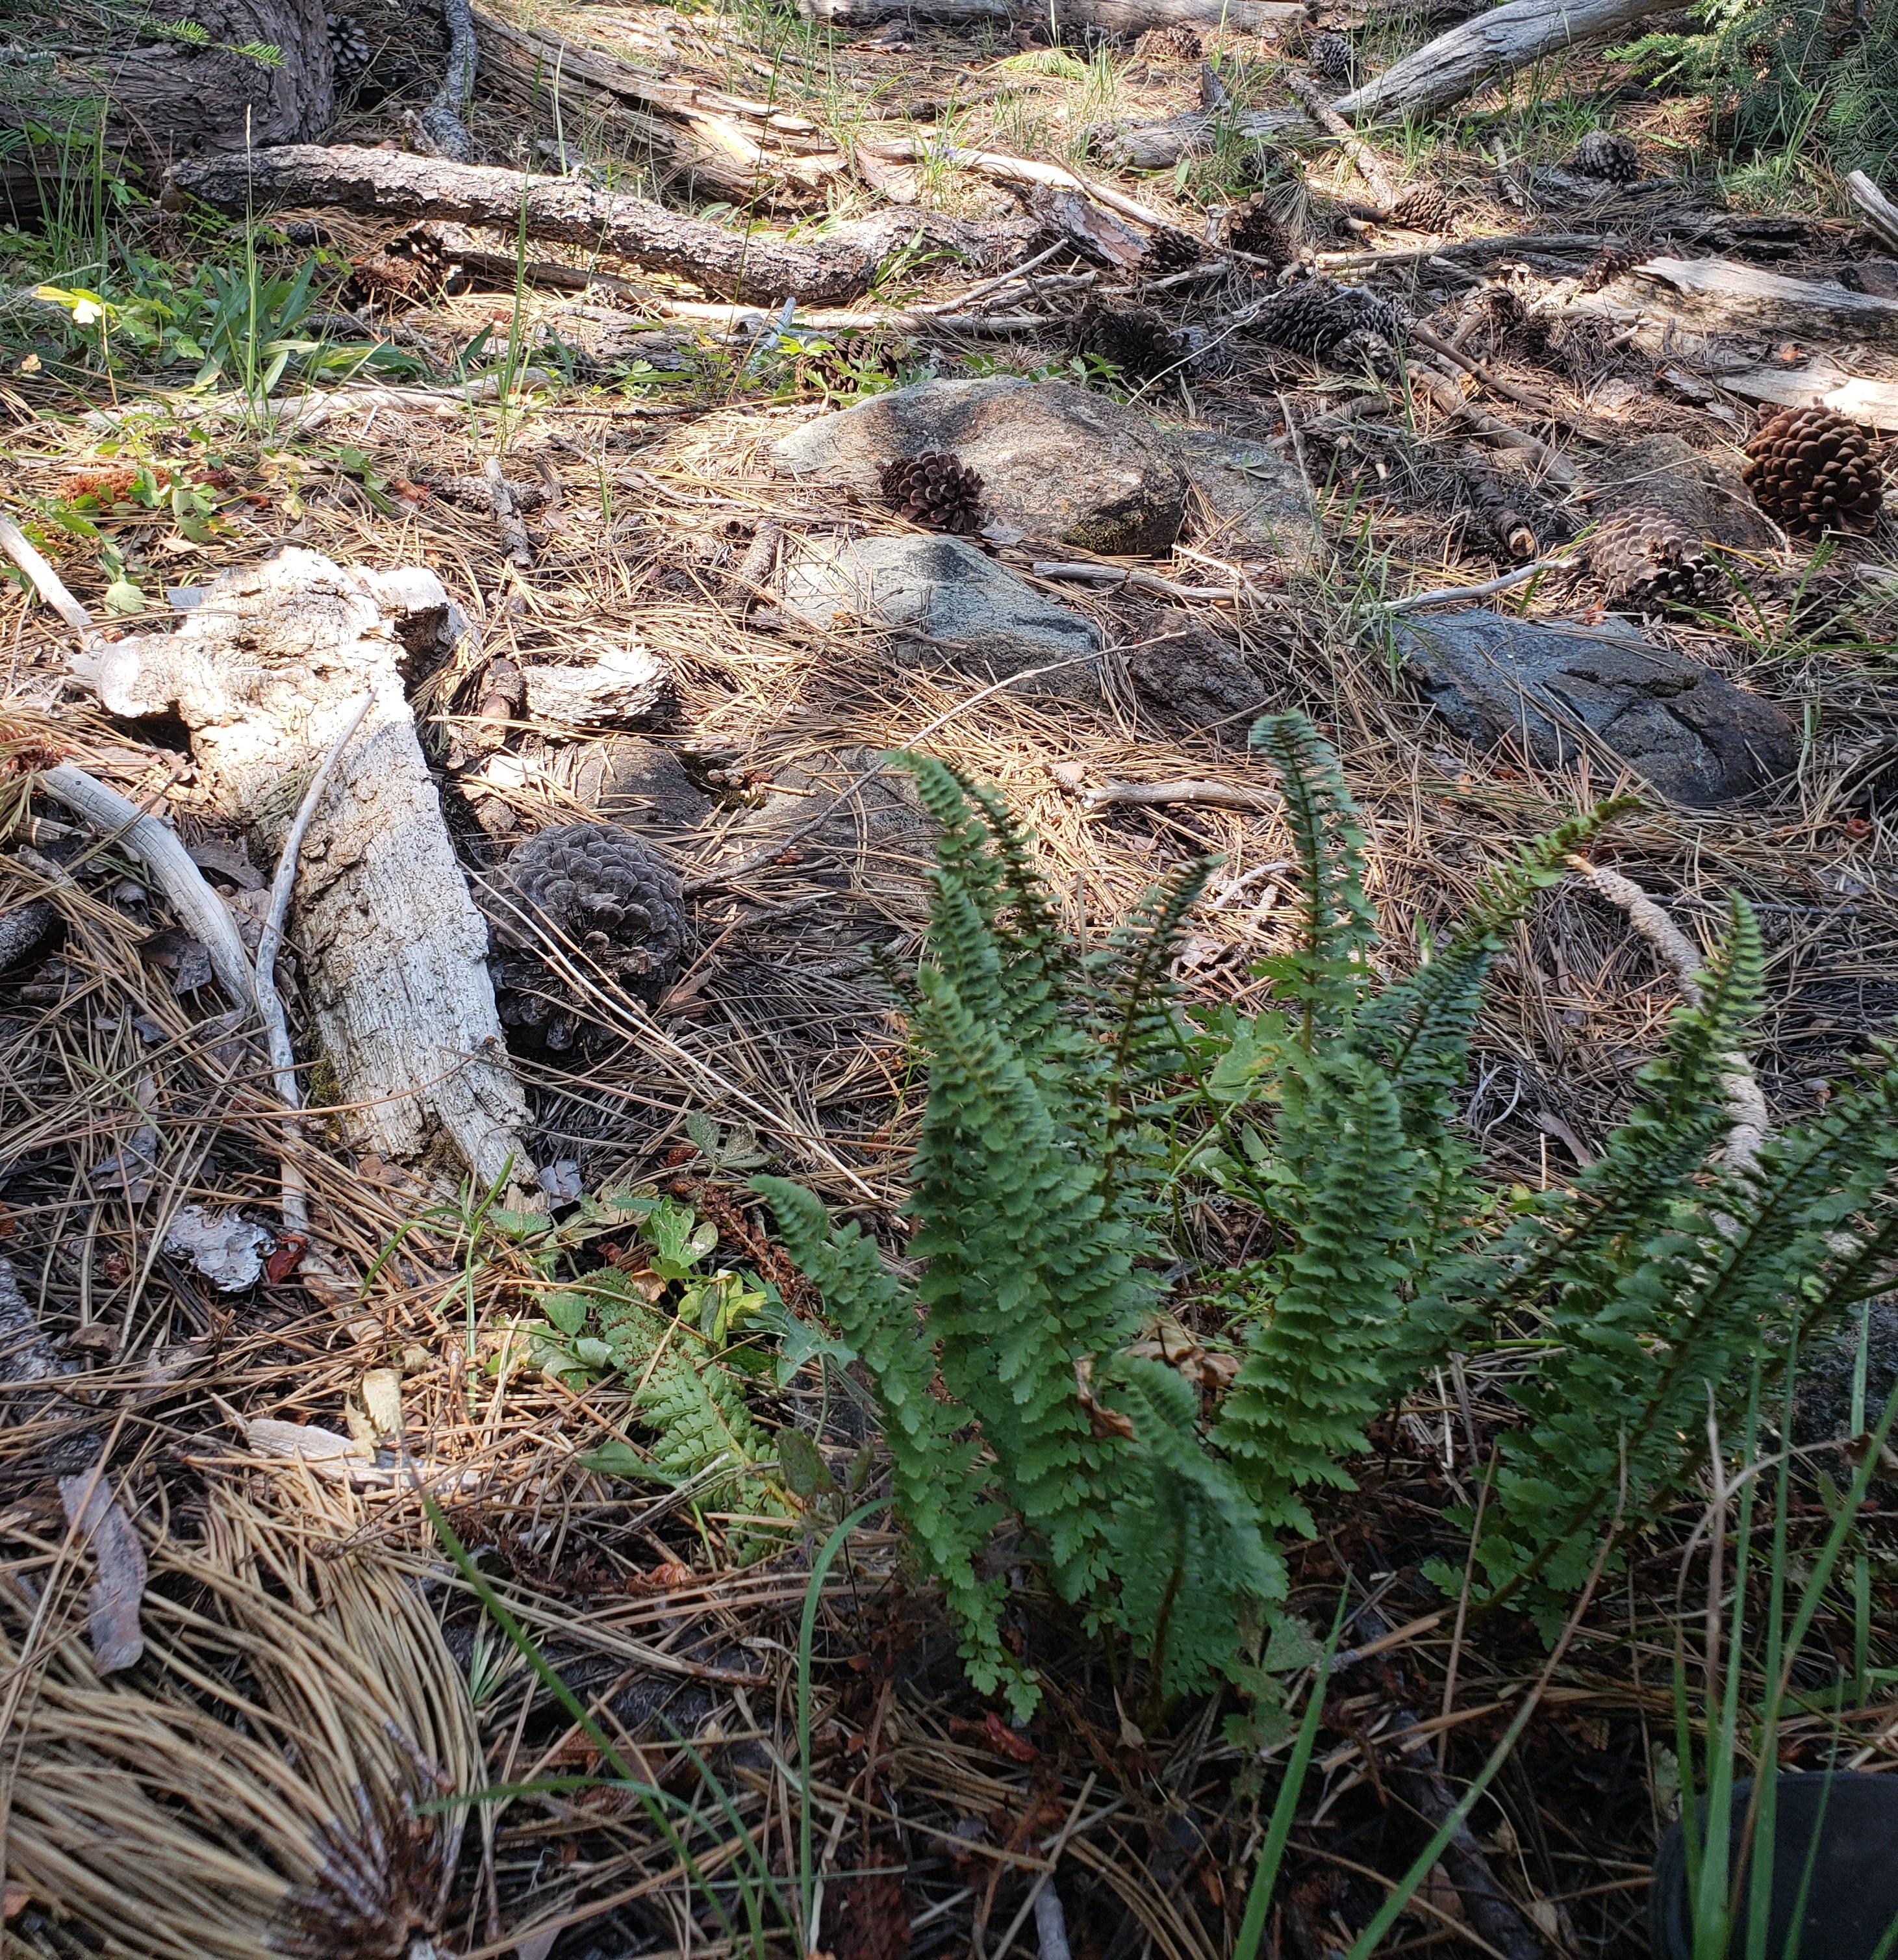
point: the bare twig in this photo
(1218, 796)
(1128, 575)
(1454, 595)
(1369, 164)
(45, 581)
(1448, 398)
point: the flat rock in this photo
(1057, 462)
(1693, 735)
(1185, 669)
(1252, 503)
(976, 615)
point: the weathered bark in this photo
(265, 671)
(1506, 38)
(441, 122)
(167, 100)
(1874, 404)
(1742, 297)
(1110, 17)
(752, 265)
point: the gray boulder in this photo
(964, 610)
(1187, 671)
(1694, 737)
(1253, 503)
(1057, 462)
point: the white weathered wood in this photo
(1506, 38)
(1873, 404)
(265, 671)
(1881, 214)
(1740, 296)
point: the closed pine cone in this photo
(1647, 555)
(350, 55)
(1315, 317)
(1602, 154)
(935, 490)
(1254, 228)
(1329, 58)
(1169, 44)
(1134, 339)
(607, 901)
(1424, 207)
(1810, 470)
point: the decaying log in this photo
(1873, 404)
(1506, 38)
(1107, 16)
(265, 671)
(753, 264)
(169, 98)
(1881, 214)
(1741, 296)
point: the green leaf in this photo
(805, 1472)
(798, 1341)
(567, 1311)
(616, 1459)
(124, 598)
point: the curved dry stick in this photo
(1748, 1122)
(45, 581)
(198, 908)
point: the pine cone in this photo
(1648, 555)
(1424, 207)
(1315, 317)
(934, 490)
(607, 900)
(1610, 263)
(1134, 339)
(1810, 470)
(410, 268)
(1169, 44)
(1169, 251)
(350, 54)
(1329, 58)
(1602, 154)
(1253, 228)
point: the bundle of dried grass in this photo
(256, 1789)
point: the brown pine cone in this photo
(1610, 263)
(1647, 554)
(1423, 207)
(1169, 251)
(1602, 154)
(1133, 338)
(1315, 317)
(1810, 470)
(1253, 228)
(1169, 44)
(935, 490)
(607, 901)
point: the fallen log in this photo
(1109, 16)
(1873, 404)
(1457, 63)
(753, 264)
(1881, 214)
(1740, 295)
(265, 671)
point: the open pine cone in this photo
(1169, 44)
(1316, 317)
(412, 268)
(606, 900)
(1810, 470)
(1602, 154)
(934, 490)
(1253, 228)
(1169, 251)
(1329, 58)
(1135, 339)
(1423, 207)
(1648, 555)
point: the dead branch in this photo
(440, 122)
(1448, 398)
(1369, 165)
(1881, 214)
(501, 500)
(754, 264)
(1873, 403)
(1498, 42)
(1216, 796)
(1455, 595)
(1112, 17)
(1738, 295)
(45, 581)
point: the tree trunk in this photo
(1724, 293)
(265, 672)
(752, 265)
(1456, 64)
(168, 100)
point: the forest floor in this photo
(840, 1755)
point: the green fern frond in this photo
(1330, 971)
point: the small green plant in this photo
(682, 1336)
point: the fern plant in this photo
(1785, 74)
(1033, 1194)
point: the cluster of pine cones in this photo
(1317, 318)
(935, 490)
